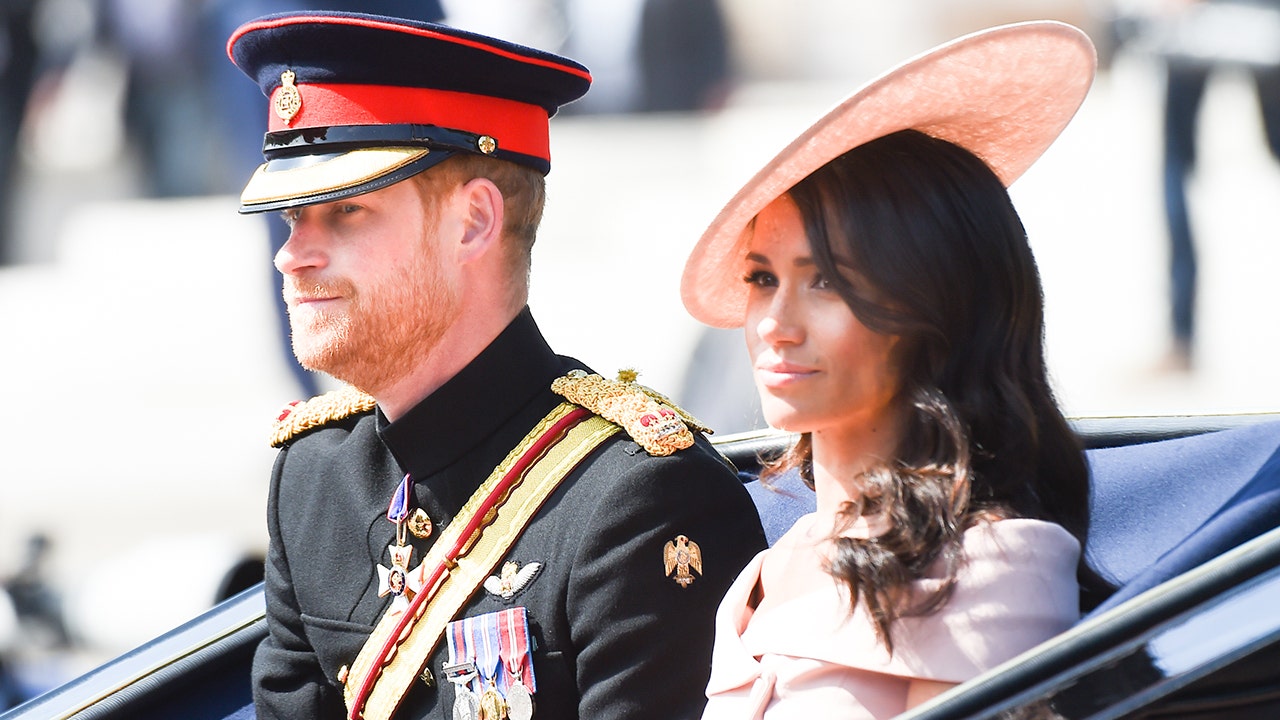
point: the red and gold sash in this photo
(465, 554)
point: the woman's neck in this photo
(841, 456)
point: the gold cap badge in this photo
(288, 100)
(681, 555)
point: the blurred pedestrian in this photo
(1200, 38)
(38, 607)
(10, 693)
(683, 54)
(165, 114)
(18, 67)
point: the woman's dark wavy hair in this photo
(921, 240)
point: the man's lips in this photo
(310, 296)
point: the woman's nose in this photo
(780, 322)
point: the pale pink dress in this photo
(810, 658)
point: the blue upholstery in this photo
(780, 503)
(1158, 509)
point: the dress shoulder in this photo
(1016, 589)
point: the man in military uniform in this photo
(478, 527)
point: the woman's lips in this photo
(781, 374)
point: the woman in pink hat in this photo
(894, 317)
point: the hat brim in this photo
(311, 179)
(1004, 94)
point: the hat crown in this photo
(362, 49)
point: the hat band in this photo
(309, 141)
(517, 127)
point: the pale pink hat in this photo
(1004, 94)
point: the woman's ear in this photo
(484, 215)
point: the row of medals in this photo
(467, 705)
(491, 705)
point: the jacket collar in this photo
(475, 403)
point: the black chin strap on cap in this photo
(341, 138)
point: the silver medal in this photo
(519, 702)
(466, 706)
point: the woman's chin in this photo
(785, 417)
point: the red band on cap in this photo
(516, 126)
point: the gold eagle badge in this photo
(680, 555)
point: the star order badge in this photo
(679, 556)
(397, 580)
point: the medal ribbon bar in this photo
(468, 550)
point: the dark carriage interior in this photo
(1170, 493)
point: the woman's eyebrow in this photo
(757, 258)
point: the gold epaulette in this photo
(649, 417)
(299, 417)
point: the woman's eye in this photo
(820, 283)
(760, 278)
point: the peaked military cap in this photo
(359, 102)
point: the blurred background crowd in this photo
(143, 351)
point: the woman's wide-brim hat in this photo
(1003, 94)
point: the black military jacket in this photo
(615, 636)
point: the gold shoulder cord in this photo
(297, 418)
(652, 420)
(464, 573)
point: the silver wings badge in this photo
(513, 579)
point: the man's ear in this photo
(484, 208)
